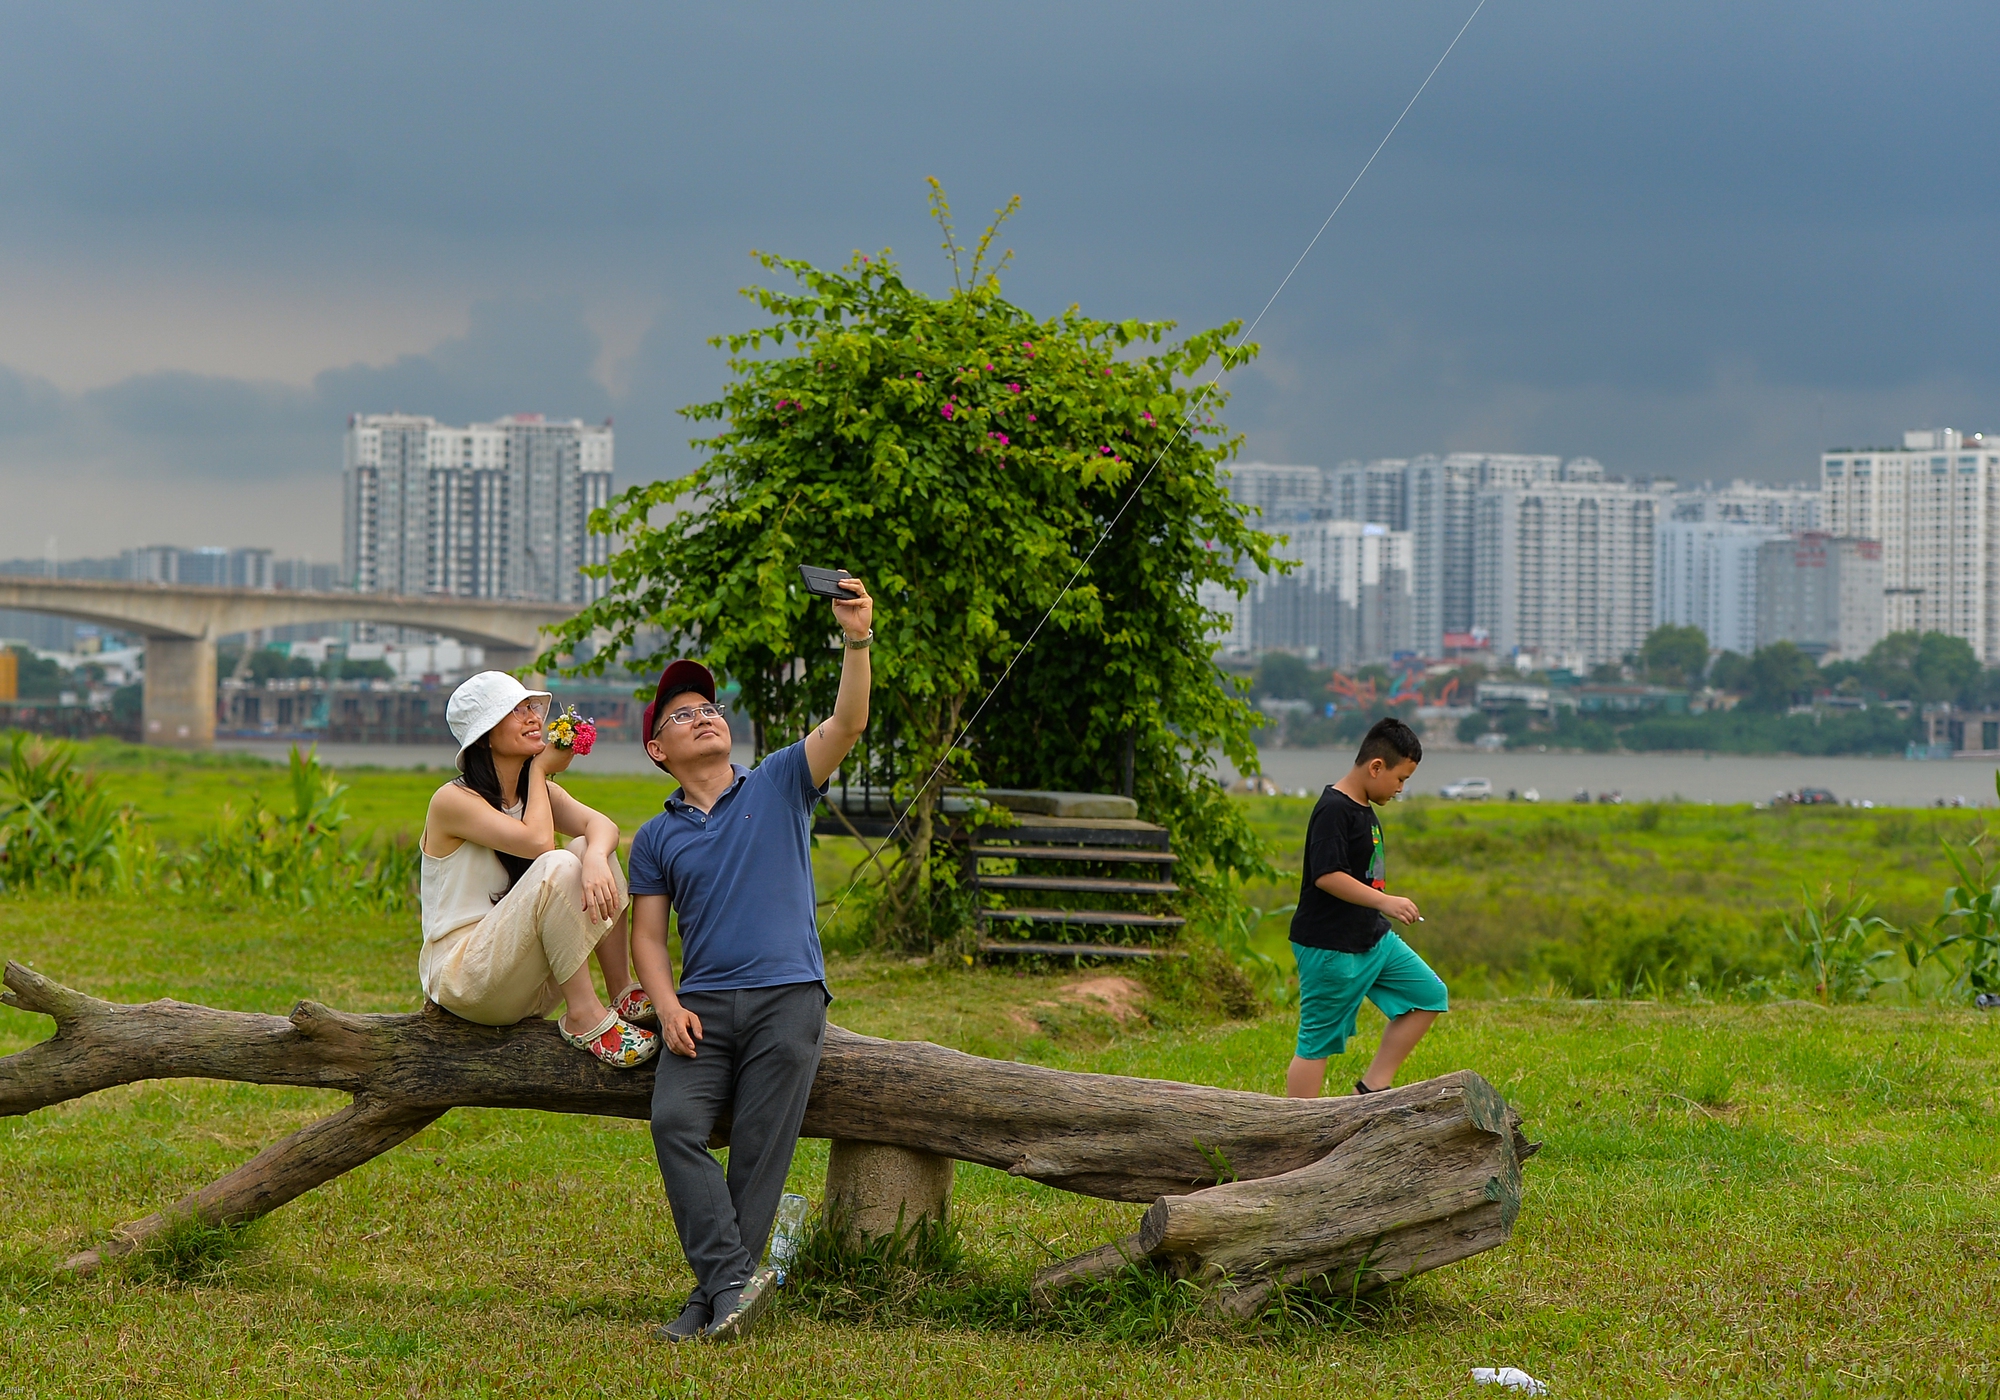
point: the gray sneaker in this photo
(692, 1322)
(737, 1309)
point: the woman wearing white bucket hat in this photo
(511, 913)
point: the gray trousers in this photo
(753, 1065)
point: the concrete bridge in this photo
(180, 625)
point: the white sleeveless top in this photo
(460, 888)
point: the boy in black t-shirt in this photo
(1340, 934)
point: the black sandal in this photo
(1361, 1087)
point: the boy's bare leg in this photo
(1399, 1038)
(1305, 1078)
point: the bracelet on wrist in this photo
(858, 643)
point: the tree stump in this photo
(1246, 1190)
(874, 1189)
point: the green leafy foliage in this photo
(269, 663)
(1966, 935)
(1926, 667)
(1674, 655)
(981, 469)
(301, 857)
(58, 828)
(37, 677)
(1839, 946)
(1968, 931)
(1877, 729)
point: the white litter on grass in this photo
(1509, 1376)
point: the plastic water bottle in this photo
(787, 1232)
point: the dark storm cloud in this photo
(514, 357)
(1690, 239)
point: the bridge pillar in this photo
(180, 692)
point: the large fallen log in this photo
(1303, 1175)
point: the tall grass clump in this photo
(59, 830)
(1840, 946)
(190, 1251)
(301, 857)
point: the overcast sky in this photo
(1698, 240)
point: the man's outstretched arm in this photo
(831, 740)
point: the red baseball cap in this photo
(683, 675)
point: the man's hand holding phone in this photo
(853, 609)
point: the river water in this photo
(1723, 778)
(1720, 778)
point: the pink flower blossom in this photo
(1147, 416)
(920, 374)
(947, 411)
(1107, 371)
(1031, 417)
(989, 364)
(1015, 387)
(586, 735)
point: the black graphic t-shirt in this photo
(1342, 835)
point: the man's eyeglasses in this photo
(693, 713)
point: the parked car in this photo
(1807, 797)
(1467, 790)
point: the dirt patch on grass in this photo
(1120, 998)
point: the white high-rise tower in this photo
(493, 510)
(1934, 503)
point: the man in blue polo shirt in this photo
(732, 853)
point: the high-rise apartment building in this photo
(1934, 504)
(1563, 570)
(493, 510)
(208, 567)
(1348, 601)
(1429, 498)
(1705, 575)
(1787, 510)
(1821, 593)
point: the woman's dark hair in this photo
(483, 778)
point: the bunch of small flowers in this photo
(568, 730)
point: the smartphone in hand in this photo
(825, 582)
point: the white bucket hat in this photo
(481, 702)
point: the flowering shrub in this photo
(955, 452)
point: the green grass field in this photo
(1734, 1198)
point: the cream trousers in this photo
(511, 964)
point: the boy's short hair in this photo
(1390, 740)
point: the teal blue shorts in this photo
(1331, 986)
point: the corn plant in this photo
(58, 829)
(1838, 945)
(1968, 931)
(301, 857)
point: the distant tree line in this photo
(1764, 689)
(275, 664)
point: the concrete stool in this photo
(869, 1185)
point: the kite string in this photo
(1179, 430)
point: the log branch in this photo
(281, 1173)
(1377, 1187)
(1432, 1176)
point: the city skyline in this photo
(1670, 240)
